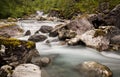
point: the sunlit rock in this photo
(27, 70)
(96, 39)
(93, 69)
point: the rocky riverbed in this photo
(51, 47)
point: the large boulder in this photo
(10, 29)
(14, 52)
(80, 25)
(27, 70)
(96, 39)
(46, 29)
(37, 38)
(93, 69)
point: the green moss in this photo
(99, 32)
(12, 42)
(30, 44)
(9, 41)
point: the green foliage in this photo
(67, 8)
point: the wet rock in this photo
(28, 32)
(27, 70)
(46, 29)
(93, 69)
(37, 38)
(37, 32)
(47, 42)
(44, 60)
(17, 51)
(53, 34)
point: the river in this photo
(69, 56)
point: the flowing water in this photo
(69, 56)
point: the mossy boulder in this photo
(16, 51)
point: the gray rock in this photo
(79, 25)
(46, 29)
(27, 70)
(37, 38)
(93, 69)
(28, 32)
(96, 39)
(53, 34)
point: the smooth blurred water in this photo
(69, 56)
